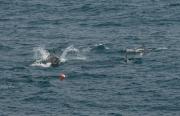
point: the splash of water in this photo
(71, 49)
(41, 55)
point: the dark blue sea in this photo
(92, 38)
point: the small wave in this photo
(174, 5)
(162, 48)
(108, 24)
(101, 46)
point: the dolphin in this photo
(53, 60)
(134, 51)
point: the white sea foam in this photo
(45, 65)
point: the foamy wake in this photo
(70, 53)
(45, 65)
(162, 48)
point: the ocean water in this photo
(91, 37)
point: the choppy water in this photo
(99, 82)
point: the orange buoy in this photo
(62, 76)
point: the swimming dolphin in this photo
(134, 51)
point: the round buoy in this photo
(62, 76)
